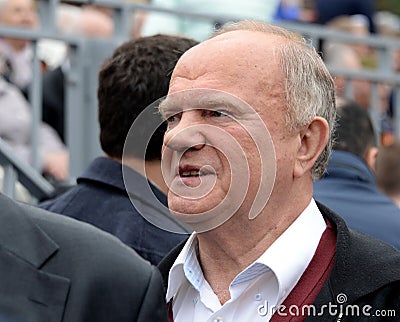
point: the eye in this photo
(216, 113)
(173, 118)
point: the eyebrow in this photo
(168, 105)
(206, 101)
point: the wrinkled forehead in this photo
(233, 53)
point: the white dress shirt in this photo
(255, 292)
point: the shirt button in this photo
(218, 319)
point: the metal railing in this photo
(15, 169)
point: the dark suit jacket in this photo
(366, 270)
(100, 198)
(53, 268)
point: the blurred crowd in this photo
(359, 18)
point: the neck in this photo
(16, 44)
(396, 199)
(223, 255)
(149, 169)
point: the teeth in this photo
(193, 173)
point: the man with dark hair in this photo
(136, 75)
(349, 186)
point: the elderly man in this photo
(258, 98)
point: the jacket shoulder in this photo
(109, 281)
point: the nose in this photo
(187, 134)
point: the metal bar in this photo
(74, 106)
(27, 175)
(35, 98)
(47, 12)
(122, 22)
(374, 109)
(9, 180)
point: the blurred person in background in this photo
(326, 10)
(16, 54)
(15, 111)
(16, 130)
(136, 75)
(356, 25)
(295, 10)
(388, 25)
(85, 21)
(388, 170)
(345, 57)
(349, 185)
(200, 29)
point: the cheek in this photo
(285, 159)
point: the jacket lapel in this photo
(27, 293)
(166, 263)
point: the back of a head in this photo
(137, 74)
(388, 169)
(83, 21)
(341, 55)
(355, 24)
(354, 130)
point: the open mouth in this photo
(194, 172)
(191, 173)
(200, 180)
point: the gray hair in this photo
(309, 87)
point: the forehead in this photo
(245, 64)
(237, 56)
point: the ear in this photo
(313, 139)
(370, 157)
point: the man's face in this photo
(223, 111)
(18, 13)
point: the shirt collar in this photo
(288, 257)
(177, 275)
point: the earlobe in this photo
(313, 139)
(370, 157)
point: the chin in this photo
(180, 205)
(189, 207)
